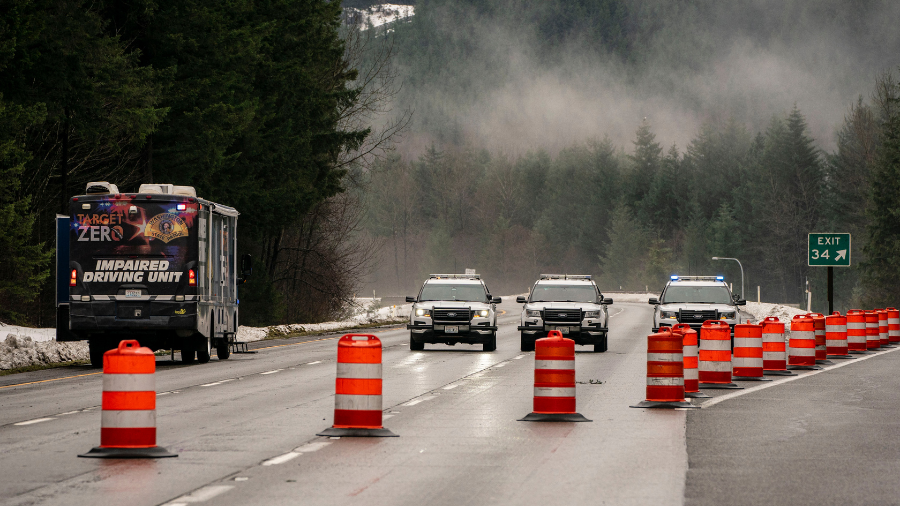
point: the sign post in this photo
(829, 250)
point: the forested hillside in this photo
(633, 139)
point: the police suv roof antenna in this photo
(742, 271)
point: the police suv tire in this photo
(96, 349)
(413, 345)
(223, 350)
(491, 343)
(204, 348)
(527, 343)
(601, 346)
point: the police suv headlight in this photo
(481, 314)
(592, 314)
(668, 314)
(532, 313)
(726, 316)
(423, 312)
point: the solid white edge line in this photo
(716, 400)
(213, 384)
(281, 459)
(450, 387)
(36, 420)
(312, 363)
(312, 447)
(420, 399)
(270, 372)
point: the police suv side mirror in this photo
(410, 299)
(606, 301)
(521, 299)
(496, 300)
(740, 302)
(654, 301)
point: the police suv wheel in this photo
(527, 343)
(601, 346)
(491, 343)
(415, 346)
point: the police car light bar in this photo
(674, 277)
(455, 276)
(698, 278)
(565, 276)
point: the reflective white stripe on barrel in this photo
(554, 391)
(803, 352)
(691, 373)
(747, 342)
(716, 366)
(353, 370)
(715, 344)
(665, 382)
(773, 355)
(691, 351)
(831, 343)
(127, 419)
(665, 357)
(856, 325)
(834, 328)
(357, 402)
(557, 365)
(129, 382)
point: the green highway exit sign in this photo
(829, 250)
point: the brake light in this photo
(74, 278)
(192, 279)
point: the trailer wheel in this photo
(223, 350)
(96, 348)
(187, 353)
(204, 348)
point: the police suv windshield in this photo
(696, 294)
(468, 293)
(564, 293)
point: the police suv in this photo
(570, 304)
(695, 299)
(453, 308)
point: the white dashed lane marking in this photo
(281, 459)
(420, 399)
(214, 384)
(201, 495)
(36, 420)
(270, 372)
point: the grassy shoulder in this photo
(41, 367)
(276, 334)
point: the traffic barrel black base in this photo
(696, 395)
(805, 368)
(335, 432)
(664, 404)
(748, 378)
(840, 357)
(825, 362)
(778, 373)
(554, 417)
(157, 452)
(721, 386)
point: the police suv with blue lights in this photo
(571, 304)
(695, 299)
(453, 308)
(159, 266)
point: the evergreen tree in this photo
(646, 161)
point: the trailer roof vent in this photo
(187, 191)
(157, 189)
(100, 187)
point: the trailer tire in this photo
(204, 348)
(223, 349)
(187, 353)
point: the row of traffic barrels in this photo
(680, 362)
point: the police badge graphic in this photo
(165, 227)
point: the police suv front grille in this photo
(452, 315)
(691, 316)
(563, 315)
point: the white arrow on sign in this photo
(840, 254)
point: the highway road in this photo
(245, 431)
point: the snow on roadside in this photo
(36, 335)
(21, 351)
(760, 310)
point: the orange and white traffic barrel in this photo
(128, 416)
(836, 336)
(715, 355)
(748, 353)
(691, 352)
(774, 349)
(893, 325)
(883, 330)
(554, 381)
(873, 340)
(821, 347)
(802, 344)
(357, 395)
(856, 331)
(665, 371)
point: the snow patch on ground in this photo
(21, 351)
(378, 15)
(760, 310)
(35, 334)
